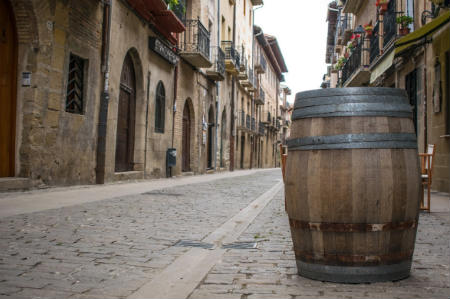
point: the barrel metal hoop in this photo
(352, 227)
(355, 274)
(355, 109)
(350, 99)
(355, 141)
(353, 259)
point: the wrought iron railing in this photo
(218, 59)
(390, 23)
(231, 53)
(375, 42)
(261, 128)
(195, 39)
(353, 63)
(247, 121)
(344, 24)
(263, 62)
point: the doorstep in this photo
(15, 184)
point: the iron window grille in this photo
(160, 104)
(74, 99)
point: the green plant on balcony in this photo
(175, 4)
(340, 63)
(404, 22)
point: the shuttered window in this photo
(160, 108)
(74, 99)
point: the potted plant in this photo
(340, 63)
(382, 5)
(404, 22)
(369, 29)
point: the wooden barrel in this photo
(352, 184)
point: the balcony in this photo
(232, 58)
(194, 44)
(375, 43)
(345, 29)
(261, 64)
(390, 24)
(241, 124)
(261, 129)
(257, 2)
(251, 86)
(217, 71)
(260, 98)
(266, 118)
(356, 71)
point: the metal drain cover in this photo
(190, 243)
(241, 245)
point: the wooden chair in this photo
(426, 162)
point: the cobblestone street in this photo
(122, 246)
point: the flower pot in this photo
(404, 31)
(383, 8)
(369, 33)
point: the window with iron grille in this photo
(160, 107)
(74, 99)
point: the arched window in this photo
(159, 108)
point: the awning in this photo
(416, 37)
(382, 66)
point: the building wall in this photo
(48, 31)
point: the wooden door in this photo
(126, 118)
(8, 71)
(186, 140)
(210, 144)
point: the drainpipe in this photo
(218, 94)
(174, 106)
(149, 74)
(104, 98)
(232, 99)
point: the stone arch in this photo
(188, 131)
(139, 113)
(26, 23)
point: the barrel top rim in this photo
(349, 91)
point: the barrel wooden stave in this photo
(353, 186)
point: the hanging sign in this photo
(157, 46)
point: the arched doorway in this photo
(223, 136)
(126, 117)
(210, 145)
(186, 139)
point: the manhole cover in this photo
(161, 193)
(190, 243)
(241, 245)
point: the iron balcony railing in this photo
(390, 23)
(195, 39)
(263, 62)
(218, 59)
(247, 121)
(261, 128)
(251, 77)
(353, 63)
(231, 53)
(253, 124)
(375, 43)
(343, 24)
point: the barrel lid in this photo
(352, 101)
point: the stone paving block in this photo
(222, 278)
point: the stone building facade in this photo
(413, 56)
(99, 91)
